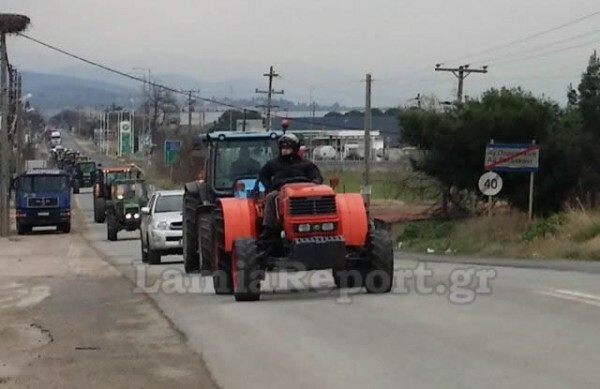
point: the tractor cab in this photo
(237, 158)
(85, 173)
(128, 189)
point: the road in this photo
(514, 328)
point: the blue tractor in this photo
(228, 167)
(43, 198)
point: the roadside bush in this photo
(544, 227)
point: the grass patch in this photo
(387, 185)
(587, 233)
(570, 235)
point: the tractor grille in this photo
(176, 226)
(44, 202)
(131, 211)
(312, 205)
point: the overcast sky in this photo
(326, 44)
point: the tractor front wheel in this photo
(99, 209)
(380, 256)
(246, 271)
(112, 229)
(222, 274)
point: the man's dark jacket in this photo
(282, 168)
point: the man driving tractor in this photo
(278, 171)
(245, 165)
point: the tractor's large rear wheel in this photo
(380, 256)
(222, 278)
(205, 237)
(191, 258)
(246, 271)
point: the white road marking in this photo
(571, 295)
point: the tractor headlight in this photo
(128, 216)
(328, 226)
(304, 228)
(136, 215)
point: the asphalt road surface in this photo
(444, 325)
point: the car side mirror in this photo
(146, 210)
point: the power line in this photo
(546, 54)
(536, 48)
(526, 38)
(157, 85)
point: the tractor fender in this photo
(354, 223)
(239, 219)
(197, 189)
(192, 187)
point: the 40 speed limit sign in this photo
(490, 183)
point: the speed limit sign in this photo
(490, 183)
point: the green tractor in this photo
(103, 177)
(85, 173)
(123, 208)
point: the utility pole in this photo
(461, 73)
(367, 178)
(269, 94)
(5, 152)
(19, 124)
(190, 106)
(230, 109)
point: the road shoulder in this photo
(544, 264)
(68, 319)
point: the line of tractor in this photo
(215, 221)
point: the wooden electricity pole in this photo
(461, 73)
(367, 178)
(269, 94)
(5, 151)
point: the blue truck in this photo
(43, 198)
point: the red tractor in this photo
(319, 229)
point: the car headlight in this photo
(136, 215)
(119, 197)
(128, 216)
(162, 226)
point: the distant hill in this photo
(70, 88)
(51, 92)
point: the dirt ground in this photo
(393, 211)
(69, 320)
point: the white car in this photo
(161, 227)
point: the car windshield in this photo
(241, 158)
(131, 190)
(169, 203)
(87, 167)
(40, 183)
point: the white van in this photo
(55, 139)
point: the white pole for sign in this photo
(490, 197)
(531, 179)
